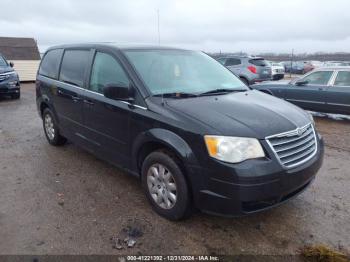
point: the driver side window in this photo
(318, 78)
(106, 70)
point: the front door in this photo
(106, 120)
(312, 95)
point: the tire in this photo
(16, 96)
(165, 189)
(245, 81)
(51, 129)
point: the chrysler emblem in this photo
(300, 131)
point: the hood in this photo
(5, 69)
(244, 114)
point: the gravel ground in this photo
(65, 201)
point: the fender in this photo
(44, 99)
(169, 139)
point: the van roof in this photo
(116, 46)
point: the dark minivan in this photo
(189, 128)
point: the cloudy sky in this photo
(252, 26)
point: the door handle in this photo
(89, 102)
(320, 88)
(76, 99)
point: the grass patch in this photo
(322, 253)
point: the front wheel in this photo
(51, 129)
(165, 185)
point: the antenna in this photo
(158, 27)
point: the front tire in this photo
(51, 129)
(165, 185)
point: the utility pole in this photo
(291, 64)
(158, 27)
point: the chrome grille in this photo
(294, 147)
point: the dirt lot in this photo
(65, 201)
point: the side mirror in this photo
(119, 91)
(12, 64)
(301, 82)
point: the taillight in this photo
(252, 69)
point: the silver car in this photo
(249, 69)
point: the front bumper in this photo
(277, 76)
(254, 185)
(9, 87)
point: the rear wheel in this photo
(165, 185)
(51, 129)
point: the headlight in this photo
(9, 74)
(233, 149)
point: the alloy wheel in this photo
(162, 186)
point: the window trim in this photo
(335, 77)
(311, 72)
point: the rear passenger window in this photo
(74, 65)
(232, 62)
(51, 62)
(106, 71)
(343, 79)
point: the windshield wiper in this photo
(177, 95)
(221, 90)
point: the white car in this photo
(277, 70)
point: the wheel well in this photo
(42, 108)
(150, 147)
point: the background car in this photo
(308, 66)
(9, 80)
(277, 70)
(323, 90)
(295, 67)
(249, 69)
(336, 63)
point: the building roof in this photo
(16, 48)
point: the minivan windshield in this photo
(2, 61)
(182, 71)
